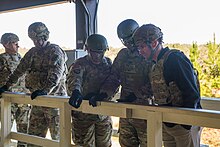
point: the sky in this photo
(184, 21)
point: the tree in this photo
(211, 70)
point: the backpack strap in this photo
(166, 54)
(196, 73)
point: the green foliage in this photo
(208, 65)
(212, 68)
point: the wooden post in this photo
(5, 122)
(65, 125)
(154, 129)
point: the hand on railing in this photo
(76, 99)
(38, 93)
(99, 97)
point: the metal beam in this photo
(13, 5)
(86, 20)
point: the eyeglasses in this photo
(140, 44)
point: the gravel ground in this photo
(211, 137)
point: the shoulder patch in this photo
(76, 71)
(76, 68)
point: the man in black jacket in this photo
(173, 82)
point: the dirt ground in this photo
(211, 137)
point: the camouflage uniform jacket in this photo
(45, 69)
(130, 70)
(8, 63)
(86, 76)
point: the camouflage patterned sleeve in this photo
(113, 82)
(75, 77)
(56, 68)
(2, 62)
(25, 64)
(3, 71)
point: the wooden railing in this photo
(207, 117)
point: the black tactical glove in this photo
(76, 99)
(99, 97)
(3, 89)
(38, 93)
(130, 98)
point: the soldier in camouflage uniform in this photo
(173, 84)
(45, 68)
(8, 63)
(86, 75)
(129, 70)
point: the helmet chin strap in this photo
(44, 44)
(153, 51)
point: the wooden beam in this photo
(154, 129)
(14, 5)
(210, 103)
(34, 139)
(5, 122)
(154, 115)
(65, 125)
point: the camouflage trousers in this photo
(21, 116)
(20, 113)
(42, 119)
(132, 132)
(90, 130)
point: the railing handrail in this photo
(153, 114)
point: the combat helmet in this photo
(96, 42)
(38, 30)
(148, 33)
(9, 37)
(126, 28)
